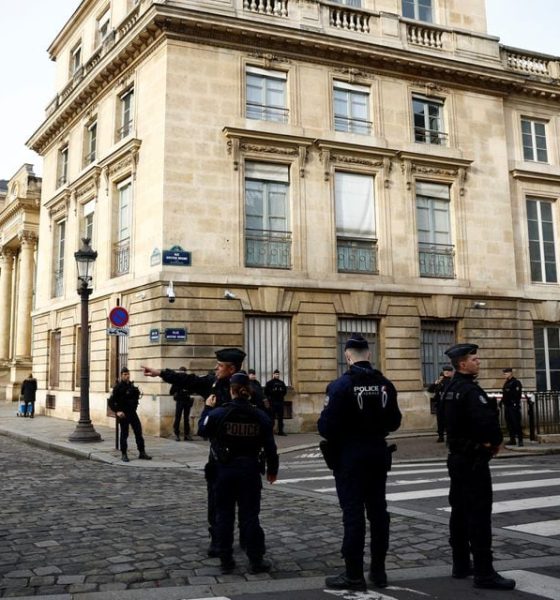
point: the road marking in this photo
(544, 528)
(523, 504)
(300, 479)
(535, 584)
(439, 479)
(372, 595)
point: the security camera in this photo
(229, 295)
(170, 292)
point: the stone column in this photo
(25, 295)
(7, 265)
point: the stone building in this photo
(298, 170)
(19, 226)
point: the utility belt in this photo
(469, 449)
(225, 455)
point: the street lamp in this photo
(85, 257)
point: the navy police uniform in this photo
(511, 401)
(360, 410)
(238, 432)
(473, 437)
(275, 390)
(437, 389)
(183, 404)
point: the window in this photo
(542, 253)
(103, 26)
(365, 327)
(62, 175)
(90, 143)
(267, 223)
(534, 140)
(421, 10)
(54, 359)
(87, 221)
(58, 254)
(266, 95)
(435, 338)
(76, 60)
(121, 247)
(428, 120)
(351, 108)
(435, 250)
(125, 113)
(356, 243)
(547, 358)
(267, 344)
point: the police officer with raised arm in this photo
(360, 410)
(473, 438)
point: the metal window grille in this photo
(436, 337)
(267, 344)
(50, 401)
(54, 359)
(76, 404)
(365, 327)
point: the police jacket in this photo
(124, 397)
(360, 408)
(202, 385)
(437, 388)
(180, 393)
(511, 393)
(275, 390)
(257, 394)
(238, 430)
(471, 417)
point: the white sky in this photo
(27, 74)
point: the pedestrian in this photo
(238, 432)
(28, 394)
(511, 401)
(183, 404)
(257, 392)
(436, 389)
(275, 391)
(360, 410)
(124, 403)
(214, 385)
(473, 438)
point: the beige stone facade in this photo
(329, 168)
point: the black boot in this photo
(461, 569)
(493, 581)
(343, 582)
(259, 565)
(144, 456)
(124, 457)
(227, 564)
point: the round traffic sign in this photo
(118, 316)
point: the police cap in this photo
(276, 371)
(356, 341)
(507, 370)
(252, 372)
(447, 368)
(459, 350)
(230, 355)
(241, 378)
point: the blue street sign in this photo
(154, 335)
(176, 256)
(175, 334)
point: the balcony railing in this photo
(352, 125)
(121, 257)
(61, 180)
(436, 260)
(89, 158)
(263, 112)
(421, 35)
(526, 63)
(265, 248)
(356, 256)
(430, 136)
(349, 18)
(58, 283)
(278, 8)
(125, 130)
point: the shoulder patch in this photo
(206, 420)
(483, 400)
(326, 401)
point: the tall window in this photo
(547, 357)
(76, 59)
(58, 255)
(267, 344)
(90, 146)
(87, 221)
(125, 113)
(266, 95)
(351, 107)
(268, 238)
(54, 359)
(542, 253)
(121, 247)
(428, 120)
(435, 250)
(534, 140)
(435, 338)
(421, 10)
(62, 168)
(103, 26)
(356, 241)
(365, 327)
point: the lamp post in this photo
(85, 257)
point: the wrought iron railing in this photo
(266, 248)
(352, 125)
(58, 283)
(430, 136)
(436, 260)
(121, 257)
(89, 158)
(125, 130)
(265, 112)
(356, 256)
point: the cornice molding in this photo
(535, 177)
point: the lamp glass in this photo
(85, 257)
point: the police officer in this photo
(360, 410)
(214, 386)
(257, 392)
(436, 389)
(124, 403)
(183, 404)
(473, 437)
(275, 391)
(511, 401)
(238, 431)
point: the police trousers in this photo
(131, 420)
(470, 524)
(513, 422)
(239, 483)
(360, 486)
(182, 408)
